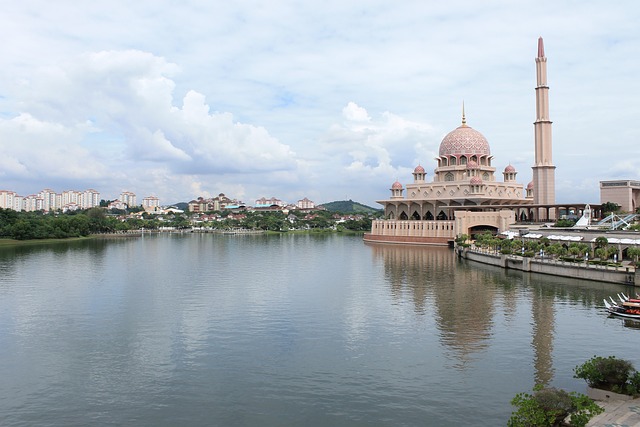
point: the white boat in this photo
(627, 307)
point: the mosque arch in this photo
(452, 161)
(448, 176)
(415, 216)
(428, 216)
(403, 216)
(442, 216)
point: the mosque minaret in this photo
(544, 192)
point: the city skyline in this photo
(331, 102)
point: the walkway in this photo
(618, 413)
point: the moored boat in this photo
(627, 307)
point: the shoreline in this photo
(6, 242)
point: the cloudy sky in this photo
(329, 100)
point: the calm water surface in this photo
(204, 330)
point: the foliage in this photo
(634, 252)
(609, 373)
(601, 242)
(38, 225)
(462, 238)
(565, 223)
(550, 407)
(609, 207)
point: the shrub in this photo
(609, 373)
(550, 407)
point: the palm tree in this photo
(634, 252)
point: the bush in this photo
(550, 407)
(609, 373)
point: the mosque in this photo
(464, 196)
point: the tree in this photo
(550, 407)
(462, 238)
(609, 207)
(634, 252)
(601, 242)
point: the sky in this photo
(328, 100)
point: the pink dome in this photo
(396, 186)
(475, 180)
(418, 169)
(471, 164)
(464, 141)
(530, 186)
(509, 169)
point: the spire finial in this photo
(464, 119)
(540, 48)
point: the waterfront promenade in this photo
(618, 413)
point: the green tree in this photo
(609, 207)
(550, 407)
(634, 253)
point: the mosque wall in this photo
(625, 193)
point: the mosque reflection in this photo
(465, 299)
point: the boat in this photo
(628, 308)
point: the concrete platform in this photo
(618, 413)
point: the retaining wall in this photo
(624, 276)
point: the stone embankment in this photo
(620, 275)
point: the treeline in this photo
(40, 225)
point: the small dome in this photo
(396, 186)
(475, 180)
(418, 169)
(530, 186)
(509, 169)
(464, 141)
(472, 164)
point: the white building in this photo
(305, 204)
(263, 202)
(150, 203)
(128, 198)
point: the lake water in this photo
(292, 330)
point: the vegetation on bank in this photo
(23, 226)
(548, 406)
(611, 374)
(602, 252)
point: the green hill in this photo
(348, 207)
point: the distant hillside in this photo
(348, 207)
(181, 205)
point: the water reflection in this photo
(284, 330)
(462, 300)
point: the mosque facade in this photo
(465, 196)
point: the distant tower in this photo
(544, 188)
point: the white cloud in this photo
(250, 96)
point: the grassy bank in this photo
(13, 242)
